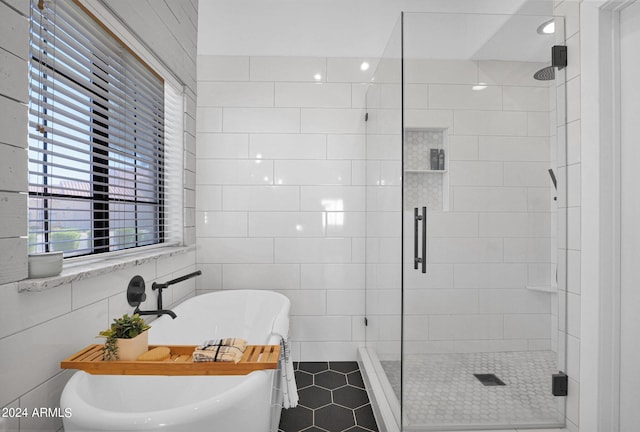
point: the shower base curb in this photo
(382, 410)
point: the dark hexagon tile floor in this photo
(332, 399)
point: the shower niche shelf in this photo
(426, 168)
(425, 171)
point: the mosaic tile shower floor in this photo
(442, 390)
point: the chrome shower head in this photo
(545, 74)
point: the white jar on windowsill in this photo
(45, 264)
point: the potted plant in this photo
(127, 338)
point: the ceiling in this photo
(361, 28)
(476, 37)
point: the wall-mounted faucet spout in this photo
(156, 312)
(161, 286)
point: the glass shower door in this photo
(480, 238)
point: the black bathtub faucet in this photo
(161, 286)
(158, 312)
(136, 294)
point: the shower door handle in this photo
(416, 258)
(424, 239)
(416, 219)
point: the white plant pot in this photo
(130, 349)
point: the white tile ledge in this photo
(543, 288)
(86, 269)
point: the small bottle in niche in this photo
(434, 159)
(441, 160)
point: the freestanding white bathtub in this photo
(186, 403)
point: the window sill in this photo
(86, 269)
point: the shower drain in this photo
(489, 379)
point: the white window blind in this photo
(174, 162)
(96, 138)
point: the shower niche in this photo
(426, 168)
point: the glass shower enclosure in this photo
(465, 163)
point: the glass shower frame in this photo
(383, 244)
(393, 330)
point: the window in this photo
(96, 138)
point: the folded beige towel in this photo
(241, 344)
(216, 350)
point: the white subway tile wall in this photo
(283, 186)
(280, 196)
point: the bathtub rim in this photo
(281, 320)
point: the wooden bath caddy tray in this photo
(180, 362)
